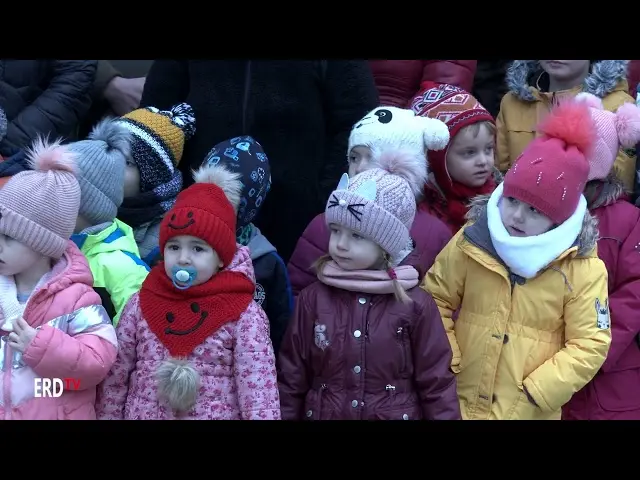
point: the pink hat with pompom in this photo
(379, 203)
(613, 131)
(39, 207)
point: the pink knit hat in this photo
(551, 173)
(379, 203)
(614, 130)
(39, 207)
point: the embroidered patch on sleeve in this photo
(602, 311)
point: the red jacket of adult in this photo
(398, 81)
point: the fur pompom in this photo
(114, 133)
(178, 384)
(590, 100)
(405, 164)
(571, 122)
(436, 133)
(628, 124)
(46, 156)
(228, 181)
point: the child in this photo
(533, 324)
(614, 393)
(385, 128)
(245, 156)
(193, 343)
(465, 168)
(536, 85)
(107, 243)
(57, 327)
(365, 343)
(152, 180)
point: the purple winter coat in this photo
(614, 393)
(430, 235)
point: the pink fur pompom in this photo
(571, 122)
(45, 156)
(590, 99)
(411, 167)
(628, 124)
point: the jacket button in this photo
(357, 334)
(505, 339)
(309, 413)
(405, 417)
(357, 369)
(354, 403)
(362, 300)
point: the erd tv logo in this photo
(54, 387)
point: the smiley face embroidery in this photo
(191, 221)
(195, 308)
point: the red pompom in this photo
(571, 122)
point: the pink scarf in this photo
(368, 281)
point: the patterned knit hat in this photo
(392, 128)
(244, 155)
(158, 141)
(454, 106)
(207, 210)
(613, 130)
(379, 203)
(3, 125)
(101, 161)
(39, 207)
(551, 173)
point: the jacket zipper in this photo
(403, 350)
(323, 387)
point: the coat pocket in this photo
(314, 410)
(618, 391)
(402, 338)
(407, 412)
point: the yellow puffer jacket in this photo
(524, 106)
(543, 335)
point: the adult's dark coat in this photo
(299, 111)
(44, 97)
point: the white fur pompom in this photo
(228, 181)
(405, 164)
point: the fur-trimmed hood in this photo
(586, 241)
(612, 189)
(604, 77)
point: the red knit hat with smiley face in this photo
(207, 210)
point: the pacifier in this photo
(183, 277)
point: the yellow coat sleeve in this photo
(587, 340)
(502, 146)
(445, 282)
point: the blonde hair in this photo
(474, 128)
(399, 292)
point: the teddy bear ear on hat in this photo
(435, 133)
(229, 182)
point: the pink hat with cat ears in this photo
(614, 130)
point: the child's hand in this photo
(22, 335)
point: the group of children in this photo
(432, 287)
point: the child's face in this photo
(471, 157)
(131, 179)
(188, 251)
(352, 251)
(359, 160)
(15, 257)
(563, 70)
(521, 219)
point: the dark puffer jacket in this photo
(44, 97)
(355, 356)
(398, 81)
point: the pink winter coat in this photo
(75, 339)
(614, 393)
(236, 367)
(429, 234)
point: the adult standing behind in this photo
(302, 112)
(398, 81)
(43, 97)
(117, 90)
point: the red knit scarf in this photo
(184, 319)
